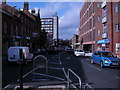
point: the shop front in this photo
(103, 45)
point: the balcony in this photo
(103, 4)
(104, 20)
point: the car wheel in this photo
(101, 64)
(92, 61)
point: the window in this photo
(16, 30)
(5, 27)
(90, 23)
(116, 8)
(104, 28)
(93, 35)
(97, 53)
(98, 18)
(98, 32)
(22, 18)
(93, 21)
(98, 5)
(22, 31)
(12, 29)
(104, 12)
(117, 27)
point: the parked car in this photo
(88, 54)
(70, 50)
(105, 58)
(79, 52)
(14, 54)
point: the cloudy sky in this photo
(68, 13)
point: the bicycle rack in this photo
(68, 78)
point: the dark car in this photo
(37, 51)
(70, 50)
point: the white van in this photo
(14, 54)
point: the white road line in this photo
(65, 72)
(55, 68)
(94, 67)
(91, 66)
(52, 63)
(117, 77)
(60, 62)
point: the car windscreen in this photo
(80, 50)
(107, 54)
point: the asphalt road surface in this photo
(59, 63)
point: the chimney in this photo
(3, 1)
(25, 6)
(33, 11)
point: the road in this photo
(58, 65)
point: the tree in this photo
(43, 38)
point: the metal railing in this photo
(68, 78)
(87, 86)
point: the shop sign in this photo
(103, 45)
(107, 40)
(101, 42)
(104, 41)
(104, 35)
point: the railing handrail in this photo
(69, 70)
(87, 85)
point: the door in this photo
(97, 57)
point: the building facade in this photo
(19, 27)
(55, 30)
(100, 26)
(74, 42)
(50, 25)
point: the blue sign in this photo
(104, 41)
(107, 40)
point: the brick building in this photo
(100, 26)
(19, 27)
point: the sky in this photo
(68, 13)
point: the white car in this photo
(79, 52)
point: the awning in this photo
(104, 41)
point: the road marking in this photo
(68, 58)
(65, 72)
(55, 68)
(94, 67)
(60, 62)
(52, 63)
(117, 77)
